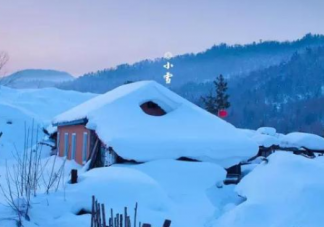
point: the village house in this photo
(145, 121)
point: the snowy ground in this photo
(288, 191)
(163, 189)
(184, 192)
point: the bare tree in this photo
(23, 175)
(4, 58)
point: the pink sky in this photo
(82, 36)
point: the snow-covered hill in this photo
(36, 78)
(20, 108)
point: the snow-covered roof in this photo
(300, 139)
(184, 131)
(265, 140)
(267, 137)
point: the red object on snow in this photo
(222, 113)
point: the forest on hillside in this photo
(236, 60)
(288, 96)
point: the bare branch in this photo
(4, 58)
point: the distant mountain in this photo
(279, 84)
(288, 96)
(237, 60)
(36, 78)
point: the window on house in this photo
(73, 146)
(66, 144)
(151, 108)
(84, 147)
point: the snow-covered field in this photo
(288, 191)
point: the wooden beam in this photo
(93, 156)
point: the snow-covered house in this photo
(145, 121)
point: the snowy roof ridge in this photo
(81, 112)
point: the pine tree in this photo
(222, 97)
(214, 104)
(210, 104)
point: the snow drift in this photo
(285, 192)
(19, 108)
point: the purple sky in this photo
(81, 36)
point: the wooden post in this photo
(167, 223)
(93, 155)
(121, 220)
(103, 215)
(129, 222)
(125, 216)
(135, 215)
(74, 176)
(92, 211)
(112, 218)
(95, 215)
(99, 216)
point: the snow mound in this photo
(265, 140)
(299, 139)
(130, 185)
(285, 192)
(19, 108)
(116, 187)
(267, 131)
(265, 136)
(186, 184)
(184, 131)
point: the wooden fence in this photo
(98, 217)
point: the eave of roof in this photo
(75, 122)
